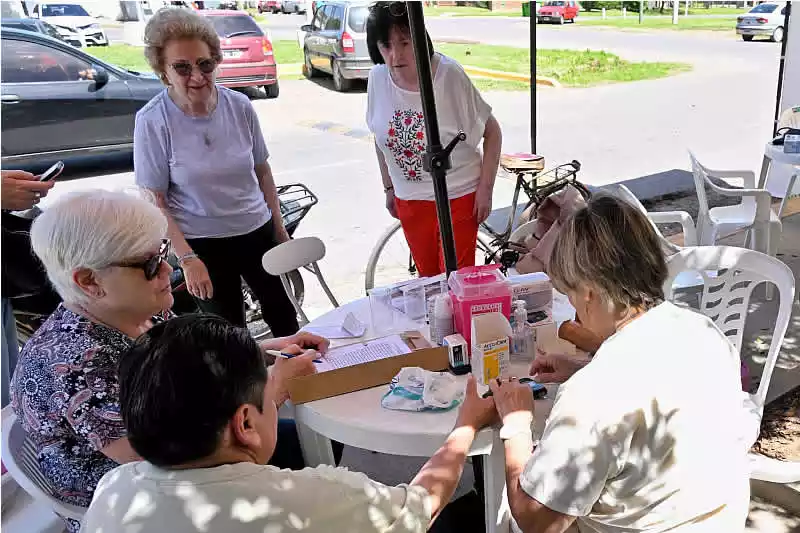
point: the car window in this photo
(334, 22)
(554, 3)
(26, 62)
(764, 8)
(357, 19)
(63, 10)
(235, 25)
(322, 16)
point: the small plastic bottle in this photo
(442, 320)
(521, 333)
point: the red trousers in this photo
(421, 227)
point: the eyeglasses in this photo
(184, 68)
(150, 266)
(396, 9)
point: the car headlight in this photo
(95, 26)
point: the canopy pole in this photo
(437, 158)
(781, 67)
(534, 116)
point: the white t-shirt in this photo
(249, 498)
(394, 116)
(648, 436)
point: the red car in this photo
(247, 56)
(271, 6)
(558, 11)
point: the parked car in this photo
(70, 19)
(294, 6)
(763, 20)
(558, 11)
(60, 103)
(247, 56)
(217, 4)
(270, 6)
(336, 43)
(40, 26)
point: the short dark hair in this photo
(613, 246)
(383, 16)
(182, 382)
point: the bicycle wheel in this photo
(391, 262)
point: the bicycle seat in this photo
(522, 162)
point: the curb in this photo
(510, 76)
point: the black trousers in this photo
(228, 260)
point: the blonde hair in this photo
(611, 246)
(171, 24)
(93, 229)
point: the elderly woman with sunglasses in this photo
(105, 254)
(198, 147)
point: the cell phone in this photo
(52, 172)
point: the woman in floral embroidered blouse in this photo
(394, 116)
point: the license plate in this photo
(231, 54)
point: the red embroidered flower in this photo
(406, 137)
(408, 121)
(420, 135)
(392, 133)
(412, 173)
(408, 153)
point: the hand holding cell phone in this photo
(52, 172)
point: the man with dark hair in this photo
(200, 408)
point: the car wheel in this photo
(561, 19)
(308, 69)
(747, 38)
(777, 35)
(272, 90)
(340, 83)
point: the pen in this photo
(276, 353)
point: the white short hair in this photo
(93, 229)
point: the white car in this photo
(765, 20)
(72, 19)
(293, 6)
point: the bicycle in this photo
(390, 260)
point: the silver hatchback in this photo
(764, 20)
(336, 43)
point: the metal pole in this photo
(781, 67)
(533, 75)
(437, 158)
(641, 10)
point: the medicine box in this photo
(491, 354)
(535, 289)
(475, 291)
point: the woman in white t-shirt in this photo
(647, 437)
(394, 116)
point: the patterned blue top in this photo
(65, 391)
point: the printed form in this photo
(354, 354)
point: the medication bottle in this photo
(442, 320)
(522, 340)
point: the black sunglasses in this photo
(150, 266)
(184, 68)
(396, 9)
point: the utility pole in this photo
(641, 10)
(676, 6)
(686, 9)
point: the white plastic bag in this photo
(416, 389)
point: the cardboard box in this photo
(367, 375)
(491, 354)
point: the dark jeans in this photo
(288, 453)
(228, 260)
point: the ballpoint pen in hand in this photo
(276, 353)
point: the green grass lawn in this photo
(570, 68)
(693, 11)
(665, 23)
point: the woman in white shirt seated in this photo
(394, 116)
(646, 436)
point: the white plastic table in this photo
(775, 154)
(357, 419)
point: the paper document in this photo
(355, 354)
(351, 328)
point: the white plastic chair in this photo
(753, 213)
(291, 255)
(726, 300)
(19, 456)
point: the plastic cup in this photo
(382, 315)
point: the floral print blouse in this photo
(65, 392)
